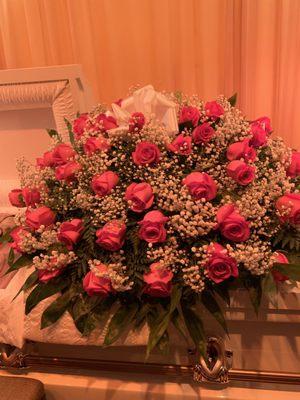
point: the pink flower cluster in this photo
(186, 198)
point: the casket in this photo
(265, 348)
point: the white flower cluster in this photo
(53, 261)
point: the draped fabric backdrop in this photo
(199, 46)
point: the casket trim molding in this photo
(171, 370)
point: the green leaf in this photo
(54, 134)
(11, 257)
(71, 134)
(232, 100)
(179, 324)
(195, 328)
(23, 261)
(223, 292)
(56, 309)
(84, 305)
(120, 322)
(141, 315)
(270, 288)
(30, 281)
(292, 271)
(42, 291)
(255, 294)
(5, 237)
(213, 307)
(161, 325)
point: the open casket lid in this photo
(32, 100)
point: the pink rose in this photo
(69, 232)
(97, 285)
(264, 123)
(232, 225)
(68, 171)
(62, 153)
(201, 186)
(181, 145)
(288, 207)
(189, 114)
(105, 123)
(16, 198)
(241, 150)
(158, 281)
(152, 228)
(241, 172)
(17, 234)
(220, 265)
(203, 133)
(146, 153)
(39, 216)
(31, 197)
(112, 236)
(294, 168)
(45, 275)
(103, 184)
(94, 144)
(278, 276)
(259, 136)
(213, 109)
(136, 121)
(140, 196)
(46, 161)
(80, 124)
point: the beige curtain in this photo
(199, 46)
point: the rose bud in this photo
(140, 196)
(158, 281)
(31, 197)
(189, 114)
(69, 232)
(62, 153)
(213, 109)
(203, 133)
(200, 186)
(39, 216)
(46, 161)
(17, 234)
(281, 259)
(241, 150)
(264, 123)
(288, 207)
(152, 228)
(80, 124)
(259, 136)
(16, 198)
(136, 121)
(220, 265)
(232, 225)
(294, 168)
(146, 153)
(181, 145)
(112, 236)
(103, 184)
(94, 144)
(241, 172)
(67, 172)
(105, 123)
(98, 285)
